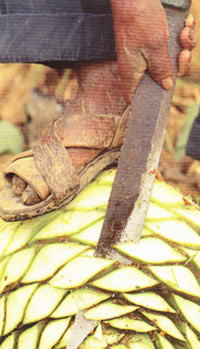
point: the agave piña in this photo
(48, 274)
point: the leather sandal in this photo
(71, 154)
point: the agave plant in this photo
(48, 274)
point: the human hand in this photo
(141, 36)
(188, 42)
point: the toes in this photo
(18, 185)
(29, 196)
(20, 188)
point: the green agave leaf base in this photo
(48, 273)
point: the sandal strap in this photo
(120, 129)
(86, 131)
(55, 165)
(25, 168)
(48, 167)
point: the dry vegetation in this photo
(184, 173)
(18, 80)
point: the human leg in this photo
(90, 130)
(100, 93)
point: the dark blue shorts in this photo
(193, 143)
(56, 30)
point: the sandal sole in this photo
(12, 209)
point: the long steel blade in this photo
(140, 154)
(137, 166)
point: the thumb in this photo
(160, 67)
(131, 68)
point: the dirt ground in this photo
(17, 81)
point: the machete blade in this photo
(140, 153)
(81, 328)
(139, 158)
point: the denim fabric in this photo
(193, 143)
(56, 30)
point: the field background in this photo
(17, 102)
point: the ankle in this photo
(99, 90)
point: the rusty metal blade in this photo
(140, 154)
(137, 166)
